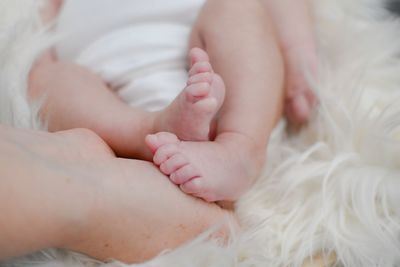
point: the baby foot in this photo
(191, 114)
(213, 171)
(300, 99)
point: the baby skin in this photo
(209, 141)
(191, 115)
(209, 170)
(213, 170)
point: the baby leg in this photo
(77, 98)
(240, 42)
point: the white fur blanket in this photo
(332, 188)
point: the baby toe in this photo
(205, 77)
(164, 153)
(198, 188)
(174, 163)
(155, 141)
(200, 67)
(197, 55)
(184, 174)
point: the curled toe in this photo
(174, 163)
(164, 153)
(184, 174)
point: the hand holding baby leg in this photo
(69, 191)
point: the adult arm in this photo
(67, 190)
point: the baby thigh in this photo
(239, 38)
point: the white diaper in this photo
(138, 47)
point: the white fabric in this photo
(333, 187)
(138, 47)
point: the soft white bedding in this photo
(334, 187)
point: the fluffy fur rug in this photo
(332, 189)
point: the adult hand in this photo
(68, 190)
